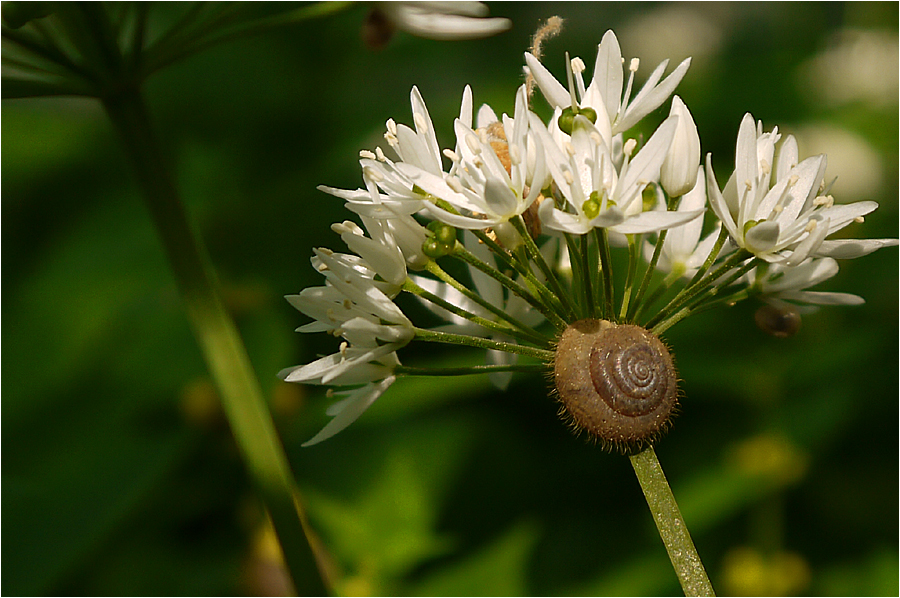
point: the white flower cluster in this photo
(542, 204)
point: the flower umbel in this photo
(542, 206)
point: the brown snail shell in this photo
(781, 321)
(616, 382)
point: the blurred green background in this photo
(119, 475)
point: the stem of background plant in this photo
(669, 522)
(223, 350)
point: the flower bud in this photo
(679, 170)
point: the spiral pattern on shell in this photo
(617, 382)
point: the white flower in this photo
(784, 220)
(442, 20)
(678, 172)
(487, 184)
(599, 195)
(418, 148)
(683, 252)
(353, 305)
(776, 282)
(604, 94)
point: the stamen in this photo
(391, 127)
(455, 185)
(793, 180)
(420, 120)
(570, 149)
(629, 146)
(568, 176)
(859, 220)
(595, 137)
(454, 157)
(811, 226)
(571, 83)
(343, 349)
(373, 174)
(347, 304)
(515, 156)
(473, 144)
(380, 154)
(578, 65)
(366, 154)
(764, 166)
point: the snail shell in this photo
(781, 321)
(617, 382)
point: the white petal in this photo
(556, 94)
(645, 103)
(653, 221)
(428, 24)
(608, 73)
(717, 202)
(762, 237)
(845, 249)
(823, 298)
(361, 399)
(645, 166)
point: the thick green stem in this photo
(670, 523)
(220, 343)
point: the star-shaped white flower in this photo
(597, 193)
(484, 188)
(782, 218)
(604, 94)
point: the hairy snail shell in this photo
(617, 382)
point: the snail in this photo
(615, 381)
(781, 321)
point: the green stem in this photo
(411, 287)
(435, 336)
(538, 258)
(529, 332)
(637, 307)
(174, 52)
(633, 247)
(694, 289)
(589, 307)
(538, 368)
(470, 258)
(670, 523)
(606, 271)
(220, 343)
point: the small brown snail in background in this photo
(781, 321)
(616, 382)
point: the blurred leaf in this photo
(499, 569)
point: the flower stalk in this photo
(220, 342)
(672, 529)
